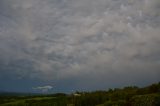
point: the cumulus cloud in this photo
(87, 40)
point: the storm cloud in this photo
(93, 43)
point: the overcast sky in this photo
(67, 45)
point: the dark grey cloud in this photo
(89, 41)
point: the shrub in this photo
(145, 100)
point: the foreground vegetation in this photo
(128, 96)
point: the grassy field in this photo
(33, 101)
(27, 100)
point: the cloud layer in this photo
(87, 41)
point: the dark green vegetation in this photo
(128, 96)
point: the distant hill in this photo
(6, 93)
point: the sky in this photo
(69, 45)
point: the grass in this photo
(23, 101)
